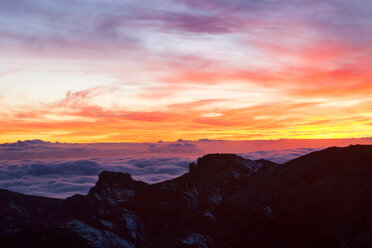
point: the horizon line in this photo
(180, 141)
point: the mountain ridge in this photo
(223, 201)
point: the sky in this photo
(143, 71)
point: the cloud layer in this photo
(64, 178)
(61, 170)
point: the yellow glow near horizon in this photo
(189, 71)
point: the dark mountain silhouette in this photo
(322, 199)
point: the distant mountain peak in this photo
(21, 143)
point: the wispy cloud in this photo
(148, 70)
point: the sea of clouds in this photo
(62, 170)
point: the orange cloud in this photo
(268, 121)
(223, 70)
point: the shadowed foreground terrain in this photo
(322, 199)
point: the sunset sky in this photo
(149, 70)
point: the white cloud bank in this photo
(61, 170)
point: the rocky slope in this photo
(322, 199)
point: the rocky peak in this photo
(111, 182)
(221, 163)
(107, 177)
(115, 185)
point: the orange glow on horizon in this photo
(215, 70)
